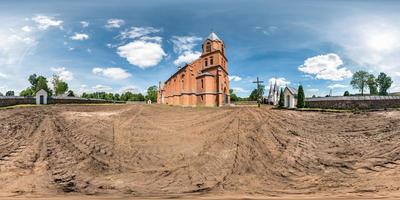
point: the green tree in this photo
(42, 84)
(384, 82)
(372, 85)
(300, 97)
(33, 79)
(281, 102)
(37, 83)
(233, 95)
(60, 86)
(257, 94)
(346, 93)
(152, 93)
(116, 97)
(359, 81)
(26, 92)
(10, 93)
(1, 94)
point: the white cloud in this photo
(141, 53)
(156, 39)
(267, 31)
(240, 90)
(44, 22)
(144, 51)
(113, 73)
(84, 24)
(327, 67)
(13, 48)
(130, 88)
(187, 57)
(27, 29)
(312, 90)
(64, 74)
(184, 45)
(281, 81)
(337, 86)
(137, 32)
(3, 75)
(102, 88)
(80, 36)
(234, 78)
(373, 44)
(114, 23)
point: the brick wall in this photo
(354, 102)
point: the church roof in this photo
(292, 90)
(213, 37)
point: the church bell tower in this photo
(213, 43)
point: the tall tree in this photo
(152, 93)
(359, 81)
(300, 97)
(60, 86)
(257, 94)
(37, 83)
(281, 102)
(1, 94)
(233, 95)
(372, 85)
(346, 93)
(42, 84)
(33, 79)
(10, 93)
(384, 82)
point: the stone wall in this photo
(11, 101)
(354, 102)
(16, 100)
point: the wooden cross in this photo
(258, 89)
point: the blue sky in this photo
(117, 46)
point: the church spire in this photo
(213, 37)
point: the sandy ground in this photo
(141, 151)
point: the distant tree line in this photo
(60, 87)
(126, 96)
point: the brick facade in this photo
(204, 82)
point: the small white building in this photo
(41, 97)
(290, 95)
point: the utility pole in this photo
(258, 90)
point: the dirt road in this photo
(137, 151)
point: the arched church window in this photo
(206, 62)
(202, 83)
(208, 47)
(211, 60)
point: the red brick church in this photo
(204, 82)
